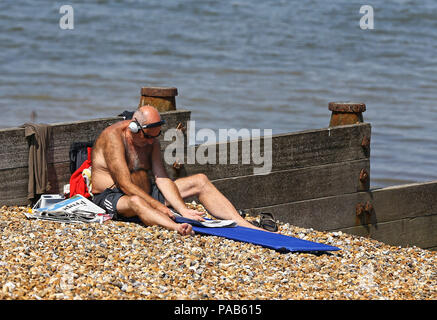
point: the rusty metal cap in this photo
(349, 107)
(159, 91)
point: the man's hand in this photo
(165, 210)
(192, 214)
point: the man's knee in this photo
(138, 206)
(129, 206)
(201, 178)
(136, 203)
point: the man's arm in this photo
(114, 153)
(168, 187)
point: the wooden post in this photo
(162, 98)
(344, 113)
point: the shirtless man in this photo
(120, 159)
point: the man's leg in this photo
(130, 206)
(211, 198)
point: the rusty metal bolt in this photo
(178, 169)
(364, 175)
(368, 207)
(347, 107)
(359, 209)
(365, 143)
(344, 113)
(177, 165)
(181, 127)
(162, 98)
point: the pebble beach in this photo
(45, 260)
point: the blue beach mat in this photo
(266, 239)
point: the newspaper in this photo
(79, 209)
(76, 209)
(208, 223)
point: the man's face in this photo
(147, 135)
(151, 134)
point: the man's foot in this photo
(247, 224)
(185, 229)
(267, 222)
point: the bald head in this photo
(147, 114)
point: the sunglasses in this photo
(150, 125)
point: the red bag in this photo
(77, 181)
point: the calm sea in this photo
(237, 64)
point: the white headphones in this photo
(135, 126)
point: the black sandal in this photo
(242, 213)
(267, 222)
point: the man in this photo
(120, 159)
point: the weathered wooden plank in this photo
(322, 214)
(14, 151)
(13, 186)
(339, 211)
(293, 150)
(296, 149)
(293, 185)
(404, 201)
(13, 189)
(418, 231)
(395, 209)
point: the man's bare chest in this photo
(138, 158)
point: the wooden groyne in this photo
(319, 178)
(14, 153)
